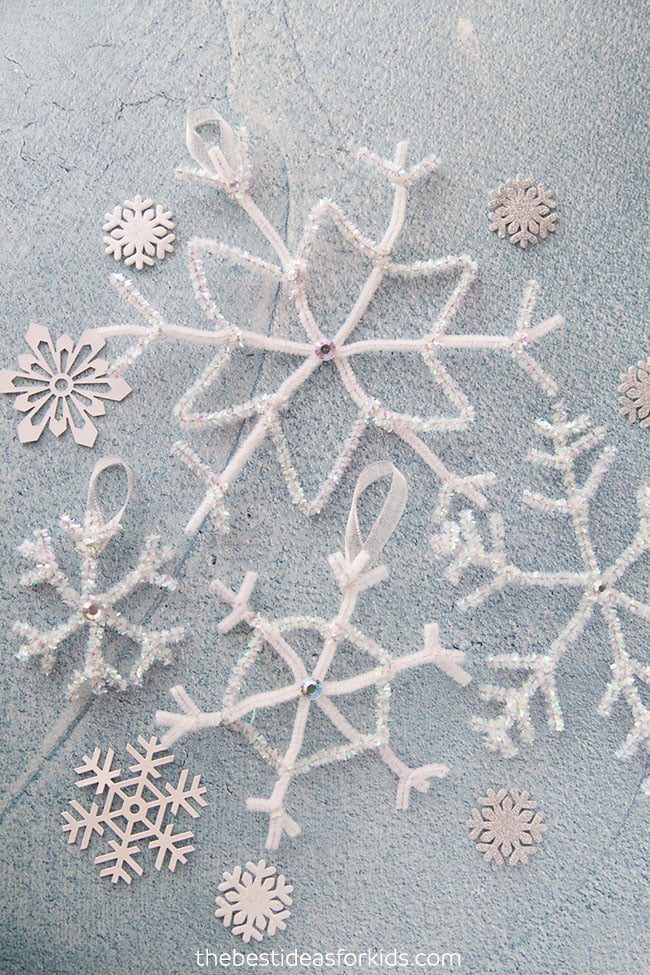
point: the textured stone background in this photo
(93, 102)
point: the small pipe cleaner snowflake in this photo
(354, 572)
(255, 902)
(522, 210)
(137, 232)
(92, 609)
(61, 385)
(506, 827)
(134, 810)
(226, 167)
(598, 590)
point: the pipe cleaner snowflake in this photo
(61, 385)
(506, 826)
(91, 609)
(134, 810)
(137, 232)
(226, 167)
(597, 589)
(522, 210)
(354, 572)
(255, 902)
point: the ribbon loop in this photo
(198, 147)
(387, 519)
(94, 514)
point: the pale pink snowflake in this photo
(635, 387)
(138, 231)
(61, 385)
(522, 210)
(134, 810)
(506, 827)
(255, 901)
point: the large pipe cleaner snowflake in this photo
(96, 611)
(354, 572)
(597, 589)
(226, 167)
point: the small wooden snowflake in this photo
(255, 901)
(506, 826)
(635, 389)
(137, 231)
(522, 211)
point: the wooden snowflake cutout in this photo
(506, 826)
(139, 229)
(90, 609)
(255, 901)
(325, 345)
(318, 687)
(522, 210)
(134, 809)
(635, 389)
(60, 385)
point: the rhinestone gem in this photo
(311, 688)
(92, 612)
(325, 350)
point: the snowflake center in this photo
(311, 688)
(61, 385)
(254, 900)
(325, 350)
(135, 808)
(92, 612)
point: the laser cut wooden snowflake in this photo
(523, 211)
(598, 590)
(506, 826)
(138, 232)
(134, 810)
(354, 573)
(226, 167)
(255, 901)
(635, 390)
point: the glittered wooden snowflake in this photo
(60, 385)
(635, 390)
(523, 211)
(139, 230)
(134, 809)
(506, 827)
(326, 346)
(255, 901)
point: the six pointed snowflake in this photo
(137, 232)
(522, 210)
(323, 347)
(506, 826)
(92, 609)
(354, 573)
(635, 389)
(134, 810)
(62, 385)
(255, 901)
(597, 590)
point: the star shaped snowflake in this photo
(138, 232)
(255, 901)
(134, 809)
(317, 687)
(523, 211)
(61, 385)
(92, 610)
(599, 591)
(329, 347)
(506, 827)
(635, 390)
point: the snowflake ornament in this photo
(329, 345)
(598, 591)
(91, 609)
(255, 901)
(522, 211)
(60, 385)
(635, 390)
(506, 826)
(134, 809)
(318, 688)
(138, 232)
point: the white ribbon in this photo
(225, 161)
(94, 514)
(387, 519)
